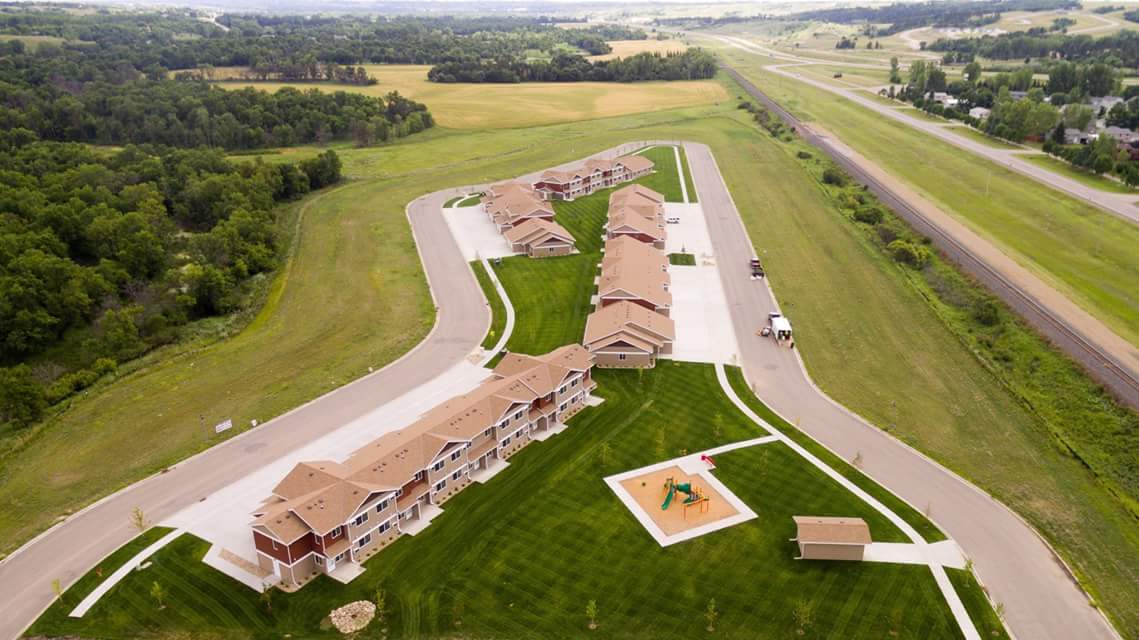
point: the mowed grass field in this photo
(1085, 253)
(499, 106)
(1092, 180)
(521, 556)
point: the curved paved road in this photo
(70, 549)
(1042, 601)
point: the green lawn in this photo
(497, 308)
(452, 201)
(527, 551)
(977, 604)
(682, 259)
(1085, 253)
(916, 519)
(1085, 177)
(664, 177)
(468, 201)
(977, 136)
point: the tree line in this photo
(104, 256)
(910, 15)
(303, 70)
(1117, 50)
(45, 92)
(692, 64)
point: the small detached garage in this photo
(827, 538)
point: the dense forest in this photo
(1120, 49)
(692, 64)
(104, 256)
(910, 15)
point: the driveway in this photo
(1041, 600)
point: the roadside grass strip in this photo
(132, 564)
(494, 299)
(665, 177)
(520, 556)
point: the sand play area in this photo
(648, 491)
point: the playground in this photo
(652, 492)
(680, 499)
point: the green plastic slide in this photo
(668, 498)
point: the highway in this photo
(1041, 600)
(1108, 358)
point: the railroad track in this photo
(1100, 364)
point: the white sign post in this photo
(223, 426)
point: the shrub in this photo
(804, 155)
(986, 312)
(908, 253)
(835, 176)
(22, 399)
(868, 214)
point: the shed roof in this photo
(831, 530)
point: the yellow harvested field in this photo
(624, 48)
(527, 104)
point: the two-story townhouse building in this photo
(328, 517)
(593, 175)
(627, 335)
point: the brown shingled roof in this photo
(538, 231)
(635, 163)
(626, 318)
(828, 530)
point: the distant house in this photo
(592, 176)
(1120, 134)
(823, 538)
(979, 113)
(1103, 104)
(944, 99)
(540, 238)
(1078, 136)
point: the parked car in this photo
(756, 268)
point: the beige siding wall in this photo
(378, 541)
(374, 517)
(549, 252)
(631, 361)
(830, 551)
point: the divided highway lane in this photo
(1103, 354)
(70, 549)
(1042, 601)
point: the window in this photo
(383, 504)
(562, 390)
(439, 486)
(562, 406)
(575, 381)
(456, 475)
(319, 560)
(620, 356)
(506, 441)
(488, 432)
(363, 541)
(399, 492)
(518, 416)
(438, 465)
(335, 533)
(420, 475)
(457, 454)
(361, 519)
(384, 527)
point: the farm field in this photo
(1083, 252)
(500, 106)
(625, 48)
(32, 42)
(533, 546)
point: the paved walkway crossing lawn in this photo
(524, 553)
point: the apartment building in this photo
(328, 516)
(591, 176)
(627, 335)
(540, 239)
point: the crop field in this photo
(527, 104)
(625, 48)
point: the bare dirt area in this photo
(649, 491)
